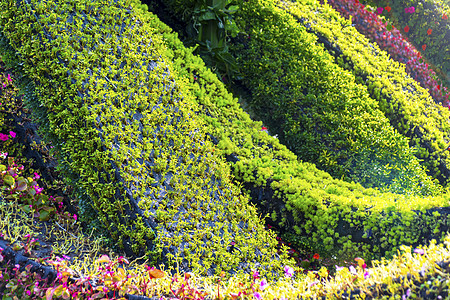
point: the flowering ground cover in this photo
(395, 43)
(425, 24)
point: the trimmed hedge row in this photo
(409, 107)
(427, 14)
(318, 110)
(331, 216)
(127, 138)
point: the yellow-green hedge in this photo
(333, 216)
(123, 125)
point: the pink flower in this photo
(3, 137)
(339, 268)
(9, 78)
(75, 217)
(255, 274)
(366, 275)
(419, 251)
(379, 10)
(257, 296)
(263, 284)
(288, 271)
(12, 134)
(36, 175)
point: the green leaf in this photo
(9, 180)
(207, 16)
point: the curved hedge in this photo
(318, 109)
(408, 106)
(330, 215)
(123, 126)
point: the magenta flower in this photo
(9, 78)
(255, 274)
(36, 175)
(288, 271)
(12, 134)
(257, 296)
(379, 10)
(3, 137)
(366, 275)
(38, 189)
(75, 217)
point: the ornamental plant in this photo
(391, 40)
(419, 17)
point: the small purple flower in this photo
(288, 271)
(12, 134)
(9, 78)
(36, 175)
(257, 295)
(352, 270)
(366, 275)
(419, 251)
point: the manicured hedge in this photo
(332, 216)
(320, 113)
(102, 88)
(408, 106)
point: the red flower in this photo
(406, 28)
(429, 31)
(388, 8)
(439, 86)
(445, 17)
(316, 256)
(424, 47)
